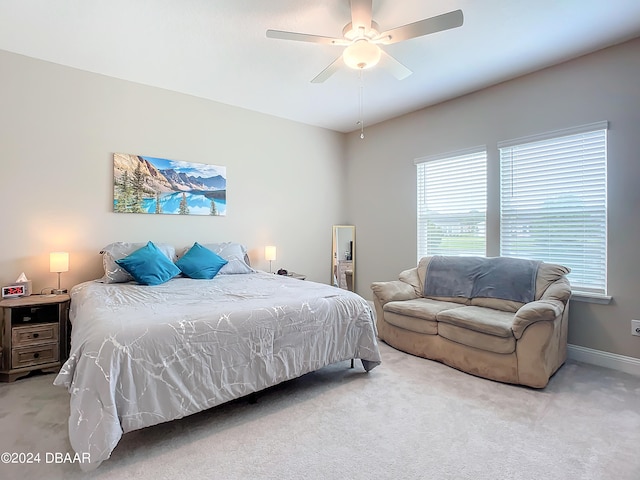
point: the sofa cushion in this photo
(461, 301)
(424, 308)
(411, 277)
(481, 341)
(497, 304)
(479, 319)
(412, 324)
(422, 272)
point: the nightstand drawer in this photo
(34, 314)
(35, 334)
(27, 356)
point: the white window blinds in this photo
(553, 202)
(452, 203)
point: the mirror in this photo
(343, 265)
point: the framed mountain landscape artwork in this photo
(157, 185)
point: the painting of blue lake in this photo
(144, 184)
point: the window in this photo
(553, 202)
(452, 203)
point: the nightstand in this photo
(33, 334)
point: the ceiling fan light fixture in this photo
(361, 54)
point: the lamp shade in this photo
(59, 262)
(361, 54)
(270, 253)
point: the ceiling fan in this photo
(362, 40)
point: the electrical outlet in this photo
(635, 327)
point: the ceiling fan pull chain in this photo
(360, 102)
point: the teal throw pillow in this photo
(200, 262)
(149, 266)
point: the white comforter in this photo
(143, 355)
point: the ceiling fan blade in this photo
(303, 37)
(361, 14)
(423, 27)
(330, 70)
(393, 66)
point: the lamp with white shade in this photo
(270, 255)
(58, 263)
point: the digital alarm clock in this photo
(14, 291)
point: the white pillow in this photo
(235, 254)
(114, 273)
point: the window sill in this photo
(591, 298)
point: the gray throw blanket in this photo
(471, 277)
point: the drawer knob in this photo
(36, 335)
(36, 355)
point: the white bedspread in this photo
(143, 355)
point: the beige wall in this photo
(59, 128)
(601, 86)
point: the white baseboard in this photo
(621, 363)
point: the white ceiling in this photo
(217, 49)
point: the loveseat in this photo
(451, 311)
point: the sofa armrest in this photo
(540, 310)
(393, 291)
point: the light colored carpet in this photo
(409, 418)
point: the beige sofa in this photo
(503, 340)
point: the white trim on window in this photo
(456, 153)
(590, 127)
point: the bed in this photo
(141, 355)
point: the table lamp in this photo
(58, 263)
(270, 255)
